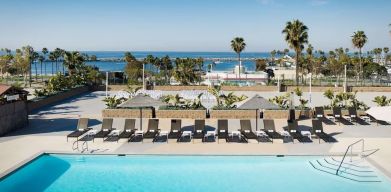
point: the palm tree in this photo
(309, 51)
(273, 54)
(73, 60)
(166, 61)
(296, 35)
(41, 59)
(385, 50)
(44, 52)
(238, 45)
(359, 39)
(52, 58)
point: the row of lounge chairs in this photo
(349, 119)
(200, 131)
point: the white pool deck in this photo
(48, 129)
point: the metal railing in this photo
(350, 147)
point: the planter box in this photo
(233, 114)
(344, 112)
(182, 114)
(50, 100)
(126, 113)
(283, 114)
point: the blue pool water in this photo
(178, 173)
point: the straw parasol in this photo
(141, 101)
(380, 113)
(258, 103)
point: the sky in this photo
(188, 25)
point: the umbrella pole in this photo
(141, 119)
(256, 119)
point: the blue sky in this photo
(188, 25)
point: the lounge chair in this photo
(107, 127)
(270, 129)
(153, 129)
(293, 131)
(355, 117)
(246, 130)
(319, 113)
(222, 129)
(337, 113)
(199, 129)
(82, 128)
(317, 128)
(175, 132)
(129, 129)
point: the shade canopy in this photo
(380, 113)
(141, 101)
(258, 102)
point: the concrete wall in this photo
(13, 116)
(126, 113)
(36, 104)
(183, 114)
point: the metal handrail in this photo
(351, 153)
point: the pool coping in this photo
(31, 159)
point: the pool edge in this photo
(20, 165)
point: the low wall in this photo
(261, 88)
(344, 112)
(283, 114)
(13, 116)
(126, 113)
(36, 104)
(183, 114)
(233, 114)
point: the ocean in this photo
(228, 60)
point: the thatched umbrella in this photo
(257, 102)
(141, 101)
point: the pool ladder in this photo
(84, 145)
(353, 169)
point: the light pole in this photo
(143, 77)
(310, 89)
(107, 82)
(345, 83)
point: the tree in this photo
(260, 65)
(359, 39)
(273, 54)
(5, 61)
(238, 45)
(386, 50)
(296, 35)
(310, 57)
(133, 68)
(41, 59)
(44, 52)
(73, 60)
(28, 52)
(167, 64)
(286, 51)
(52, 58)
(35, 56)
(329, 94)
(382, 101)
(184, 72)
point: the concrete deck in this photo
(48, 129)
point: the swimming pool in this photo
(55, 172)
